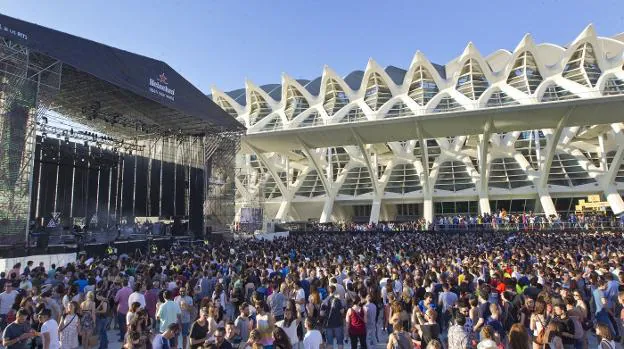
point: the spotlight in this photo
(44, 136)
(45, 120)
(66, 140)
(71, 131)
(86, 143)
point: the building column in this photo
(428, 210)
(615, 199)
(547, 204)
(328, 207)
(484, 204)
(375, 210)
(284, 210)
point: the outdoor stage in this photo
(97, 139)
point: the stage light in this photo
(66, 140)
(86, 143)
(44, 136)
(45, 120)
(71, 131)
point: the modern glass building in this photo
(532, 129)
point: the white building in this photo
(533, 129)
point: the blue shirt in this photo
(81, 283)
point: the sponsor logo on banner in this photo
(8, 30)
(160, 86)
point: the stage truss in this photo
(220, 151)
(28, 83)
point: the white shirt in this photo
(312, 340)
(51, 327)
(291, 331)
(6, 301)
(136, 297)
(300, 296)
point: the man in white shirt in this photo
(313, 338)
(49, 330)
(137, 295)
(168, 313)
(7, 298)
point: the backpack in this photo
(509, 316)
(402, 341)
(578, 328)
(542, 336)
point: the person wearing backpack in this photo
(399, 339)
(332, 312)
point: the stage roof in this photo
(121, 85)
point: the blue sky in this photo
(224, 42)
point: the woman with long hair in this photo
(289, 325)
(280, 339)
(69, 327)
(604, 334)
(87, 323)
(553, 336)
(538, 322)
(518, 337)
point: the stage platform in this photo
(94, 249)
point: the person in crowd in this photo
(7, 299)
(458, 338)
(219, 339)
(49, 330)
(199, 330)
(313, 338)
(121, 299)
(87, 320)
(427, 327)
(332, 313)
(69, 327)
(264, 323)
(488, 338)
(604, 336)
(185, 303)
(518, 337)
(280, 339)
(356, 324)
(289, 326)
(163, 340)
(101, 318)
(168, 313)
(137, 295)
(243, 324)
(17, 333)
(398, 338)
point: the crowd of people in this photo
(477, 290)
(499, 220)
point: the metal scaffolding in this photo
(28, 82)
(220, 189)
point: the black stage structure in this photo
(94, 138)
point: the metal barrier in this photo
(541, 226)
